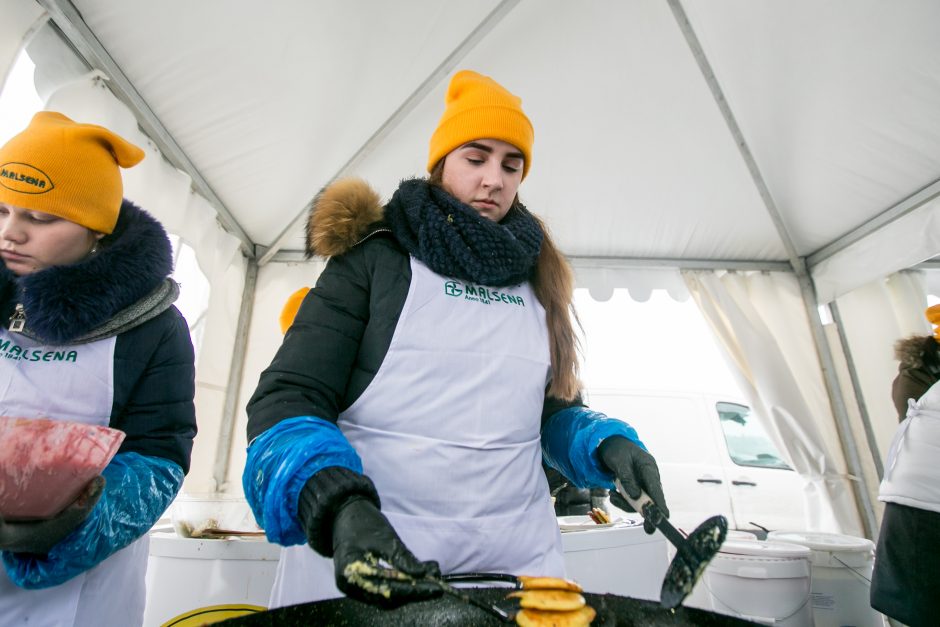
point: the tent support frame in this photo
(896, 212)
(236, 372)
(837, 404)
(857, 388)
(798, 264)
(77, 34)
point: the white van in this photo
(713, 456)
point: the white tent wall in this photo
(762, 326)
(868, 479)
(20, 19)
(873, 317)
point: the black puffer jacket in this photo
(122, 291)
(343, 329)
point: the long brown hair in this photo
(553, 283)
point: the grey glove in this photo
(636, 469)
(39, 536)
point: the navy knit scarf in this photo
(453, 240)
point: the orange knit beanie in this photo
(67, 169)
(291, 306)
(477, 107)
(933, 315)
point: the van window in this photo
(748, 443)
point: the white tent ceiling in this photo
(822, 115)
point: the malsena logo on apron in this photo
(9, 350)
(481, 294)
(82, 375)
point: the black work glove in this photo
(39, 536)
(637, 470)
(372, 564)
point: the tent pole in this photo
(836, 402)
(74, 29)
(798, 263)
(223, 452)
(915, 201)
(857, 388)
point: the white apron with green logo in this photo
(449, 432)
(73, 383)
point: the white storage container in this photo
(842, 567)
(618, 559)
(208, 579)
(766, 582)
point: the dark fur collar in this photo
(340, 216)
(910, 350)
(66, 302)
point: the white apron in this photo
(73, 383)
(911, 476)
(449, 433)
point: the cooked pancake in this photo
(599, 516)
(542, 618)
(552, 600)
(548, 583)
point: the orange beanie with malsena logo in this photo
(67, 169)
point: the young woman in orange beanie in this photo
(424, 379)
(89, 335)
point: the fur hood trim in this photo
(910, 351)
(340, 216)
(63, 303)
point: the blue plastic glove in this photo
(570, 439)
(280, 461)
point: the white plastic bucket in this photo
(842, 567)
(194, 581)
(616, 559)
(766, 582)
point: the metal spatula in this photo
(692, 553)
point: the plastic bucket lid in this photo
(832, 550)
(168, 544)
(764, 549)
(756, 559)
(735, 534)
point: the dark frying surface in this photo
(450, 612)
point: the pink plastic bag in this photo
(45, 464)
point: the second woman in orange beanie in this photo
(89, 334)
(405, 417)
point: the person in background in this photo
(918, 368)
(404, 419)
(87, 272)
(906, 578)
